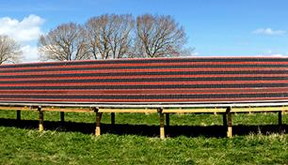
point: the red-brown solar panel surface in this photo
(162, 80)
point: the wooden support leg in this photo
(98, 123)
(41, 119)
(229, 118)
(62, 117)
(112, 118)
(18, 115)
(280, 118)
(162, 129)
(224, 119)
(167, 119)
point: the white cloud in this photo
(279, 55)
(195, 53)
(28, 29)
(26, 32)
(271, 53)
(268, 31)
(30, 53)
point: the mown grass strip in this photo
(23, 144)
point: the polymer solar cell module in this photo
(159, 80)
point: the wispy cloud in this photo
(272, 53)
(268, 31)
(278, 55)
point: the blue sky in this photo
(214, 27)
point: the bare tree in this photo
(158, 36)
(9, 50)
(64, 43)
(110, 35)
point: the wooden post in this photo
(112, 118)
(18, 115)
(167, 119)
(41, 119)
(229, 118)
(224, 119)
(215, 112)
(162, 129)
(98, 123)
(280, 118)
(62, 117)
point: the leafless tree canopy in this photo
(9, 50)
(112, 36)
(65, 43)
(109, 36)
(159, 36)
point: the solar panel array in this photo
(147, 80)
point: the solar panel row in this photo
(147, 80)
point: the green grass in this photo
(22, 144)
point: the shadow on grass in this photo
(146, 130)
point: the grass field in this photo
(192, 139)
